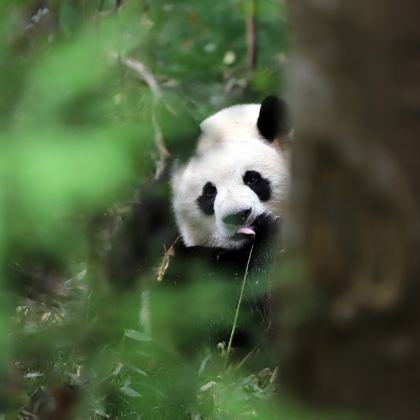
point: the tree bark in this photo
(350, 317)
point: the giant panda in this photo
(229, 197)
(236, 182)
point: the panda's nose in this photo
(238, 218)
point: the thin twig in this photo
(145, 74)
(251, 36)
(235, 320)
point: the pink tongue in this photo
(246, 230)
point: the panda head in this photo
(235, 184)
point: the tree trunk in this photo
(350, 321)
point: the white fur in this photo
(229, 145)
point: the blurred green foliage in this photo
(78, 129)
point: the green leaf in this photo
(130, 392)
(137, 335)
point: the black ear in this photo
(273, 119)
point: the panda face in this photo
(236, 179)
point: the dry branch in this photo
(141, 70)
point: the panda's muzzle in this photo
(239, 224)
(237, 219)
(262, 227)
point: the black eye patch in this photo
(258, 184)
(207, 197)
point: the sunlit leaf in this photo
(137, 335)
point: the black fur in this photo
(206, 199)
(228, 266)
(258, 184)
(273, 120)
